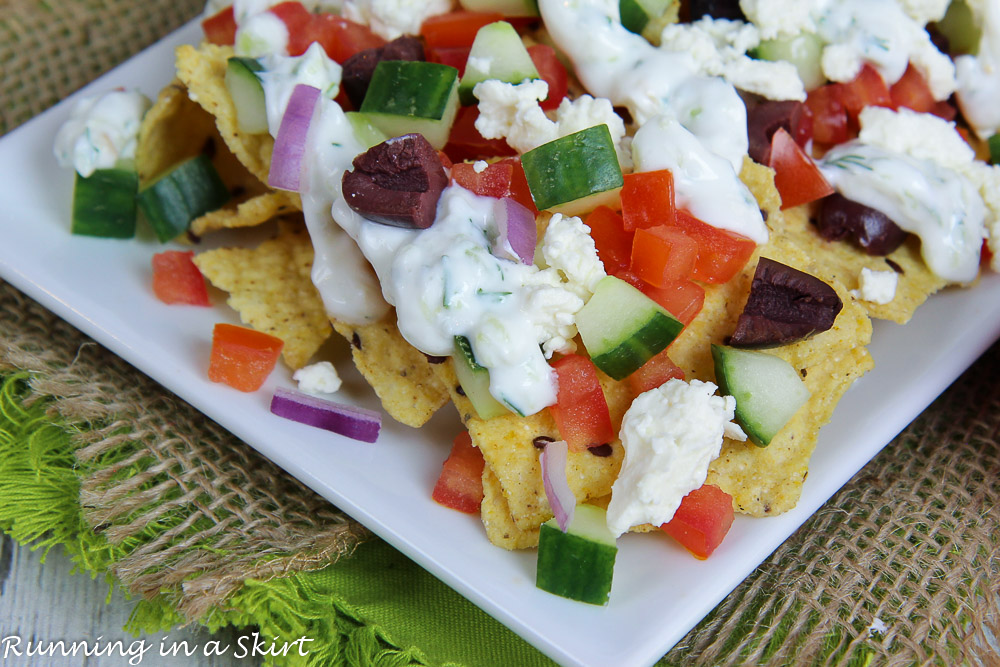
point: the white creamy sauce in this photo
(282, 73)
(260, 34)
(935, 203)
(979, 77)
(101, 131)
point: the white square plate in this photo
(660, 592)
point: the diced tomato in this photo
(721, 254)
(653, 373)
(829, 118)
(220, 28)
(912, 92)
(614, 244)
(868, 89)
(460, 485)
(662, 255)
(630, 278)
(176, 279)
(985, 254)
(455, 28)
(242, 357)
(453, 56)
(339, 37)
(702, 520)
(466, 143)
(501, 179)
(297, 20)
(796, 176)
(581, 411)
(648, 199)
(553, 71)
(683, 299)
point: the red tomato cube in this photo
(242, 358)
(866, 90)
(721, 254)
(553, 71)
(501, 179)
(460, 485)
(653, 373)
(683, 299)
(466, 143)
(829, 118)
(339, 37)
(176, 279)
(912, 92)
(702, 520)
(581, 410)
(297, 20)
(220, 28)
(455, 29)
(614, 244)
(796, 176)
(662, 255)
(648, 199)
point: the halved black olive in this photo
(765, 118)
(785, 305)
(842, 218)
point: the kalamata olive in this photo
(841, 218)
(719, 9)
(764, 119)
(784, 305)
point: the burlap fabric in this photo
(900, 567)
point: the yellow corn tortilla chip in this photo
(271, 288)
(203, 71)
(500, 527)
(400, 374)
(248, 213)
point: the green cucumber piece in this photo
(622, 328)
(648, 17)
(497, 53)
(993, 143)
(184, 192)
(805, 51)
(247, 93)
(475, 381)
(768, 390)
(959, 27)
(104, 203)
(407, 96)
(364, 131)
(505, 7)
(580, 563)
(576, 173)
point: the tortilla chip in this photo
(500, 527)
(203, 71)
(248, 213)
(271, 288)
(401, 375)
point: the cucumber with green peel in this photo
(184, 192)
(578, 564)
(576, 173)
(475, 381)
(768, 390)
(364, 131)
(407, 96)
(622, 328)
(959, 26)
(247, 92)
(993, 143)
(497, 53)
(804, 50)
(104, 203)
(505, 7)
(649, 17)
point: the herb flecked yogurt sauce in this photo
(102, 131)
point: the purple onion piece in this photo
(349, 421)
(290, 144)
(517, 235)
(560, 497)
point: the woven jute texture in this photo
(901, 567)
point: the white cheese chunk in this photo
(318, 378)
(876, 286)
(392, 18)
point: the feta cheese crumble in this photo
(101, 130)
(318, 378)
(876, 286)
(670, 435)
(393, 18)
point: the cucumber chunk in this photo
(648, 17)
(576, 173)
(578, 564)
(767, 389)
(805, 51)
(407, 96)
(622, 328)
(505, 7)
(104, 203)
(247, 92)
(959, 26)
(184, 192)
(364, 131)
(475, 381)
(993, 143)
(497, 53)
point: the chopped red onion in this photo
(352, 422)
(290, 144)
(517, 233)
(561, 499)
